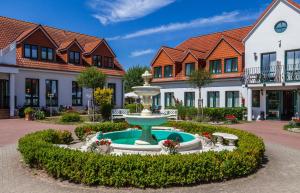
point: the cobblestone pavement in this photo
(280, 175)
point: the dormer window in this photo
(31, 51)
(168, 71)
(47, 54)
(74, 57)
(108, 62)
(97, 61)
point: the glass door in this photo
(4, 96)
(274, 104)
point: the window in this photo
(74, 57)
(213, 99)
(76, 94)
(268, 60)
(231, 65)
(97, 61)
(292, 65)
(281, 26)
(189, 99)
(156, 100)
(47, 54)
(113, 87)
(168, 71)
(232, 99)
(157, 72)
(108, 62)
(169, 99)
(51, 93)
(189, 69)
(215, 67)
(31, 51)
(256, 98)
(32, 96)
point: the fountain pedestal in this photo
(146, 137)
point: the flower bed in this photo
(38, 151)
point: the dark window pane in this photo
(50, 54)
(44, 53)
(27, 52)
(34, 52)
(189, 69)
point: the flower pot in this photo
(29, 117)
(104, 149)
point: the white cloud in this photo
(228, 17)
(138, 53)
(113, 11)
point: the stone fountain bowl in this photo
(146, 90)
(153, 120)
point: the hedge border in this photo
(139, 171)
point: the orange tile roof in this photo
(13, 29)
(174, 53)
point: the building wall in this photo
(64, 87)
(179, 88)
(264, 39)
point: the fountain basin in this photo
(124, 141)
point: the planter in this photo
(104, 149)
(29, 117)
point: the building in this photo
(258, 66)
(272, 70)
(38, 62)
(222, 54)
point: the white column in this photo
(249, 106)
(12, 81)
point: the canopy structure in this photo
(131, 95)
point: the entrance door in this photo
(273, 104)
(4, 96)
(288, 105)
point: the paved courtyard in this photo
(280, 175)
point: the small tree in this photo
(133, 77)
(103, 98)
(92, 78)
(200, 78)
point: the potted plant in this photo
(104, 145)
(170, 146)
(29, 112)
(207, 138)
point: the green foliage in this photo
(85, 129)
(103, 96)
(134, 108)
(29, 110)
(200, 78)
(70, 117)
(143, 171)
(133, 77)
(105, 110)
(39, 115)
(91, 78)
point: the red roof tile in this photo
(13, 29)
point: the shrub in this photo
(105, 111)
(39, 115)
(70, 117)
(143, 171)
(86, 129)
(29, 110)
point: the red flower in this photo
(105, 142)
(230, 117)
(207, 135)
(170, 143)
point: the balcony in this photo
(272, 74)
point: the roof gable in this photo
(92, 46)
(229, 42)
(267, 12)
(158, 54)
(68, 44)
(27, 33)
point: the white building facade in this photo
(272, 63)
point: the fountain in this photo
(146, 119)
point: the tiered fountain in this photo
(146, 119)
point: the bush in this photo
(105, 111)
(86, 129)
(39, 115)
(38, 151)
(29, 110)
(134, 108)
(70, 117)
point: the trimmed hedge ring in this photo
(38, 151)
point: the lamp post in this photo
(50, 95)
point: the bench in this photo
(173, 113)
(118, 113)
(231, 138)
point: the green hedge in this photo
(38, 151)
(134, 108)
(70, 117)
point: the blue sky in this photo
(136, 29)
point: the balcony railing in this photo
(272, 74)
(292, 72)
(260, 75)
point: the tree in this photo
(103, 98)
(200, 78)
(92, 78)
(133, 77)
